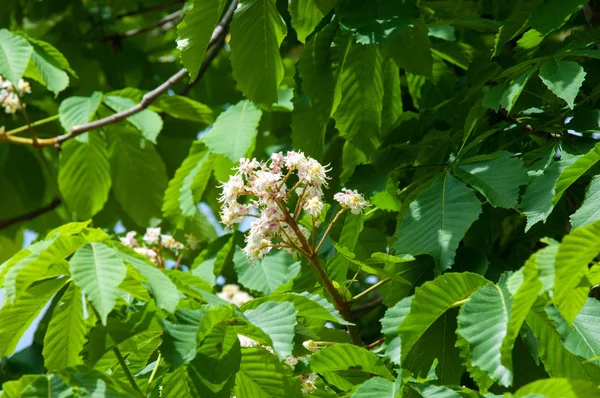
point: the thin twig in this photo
(147, 99)
(128, 374)
(370, 289)
(31, 215)
(146, 10)
(153, 375)
(369, 305)
(34, 124)
(339, 213)
(138, 31)
(375, 343)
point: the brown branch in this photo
(31, 215)
(147, 99)
(138, 31)
(146, 10)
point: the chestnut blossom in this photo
(148, 253)
(307, 383)
(9, 99)
(260, 189)
(191, 241)
(129, 239)
(151, 236)
(352, 200)
(310, 345)
(234, 294)
(170, 243)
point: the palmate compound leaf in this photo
(66, 332)
(558, 387)
(212, 372)
(428, 307)
(257, 31)
(497, 179)
(589, 211)
(557, 359)
(563, 78)
(98, 271)
(261, 375)
(15, 53)
(195, 31)
(268, 274)
(437, 220)
(571, 284)
(234, 132)
(84, 175)
(16, 318)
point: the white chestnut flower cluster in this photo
(9, 97)
(233, 294)
(265, 184)
(154, 241)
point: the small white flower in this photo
(352, 200)
(241, 298)
(291, 361)
(24, 87)
(11, 103)
(310, 345)
(314, 206)
(129, 239)
(170, 243)
(230, 289)
(191, 241)
(148, 253)
(247, 166)
(314, 172)
(277, 162)
(295, 160)
(307, 383)
(232, 189)
(247, 341)
(151, 236)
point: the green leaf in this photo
(139, 176)
(390, 322)
(497, 179)
(179, 338)
(217, 361)
(571, 285)
(234, 131)
(558, 361)
(392, 97)
(358, 116)
(47, 386)
(84, 175)
(483, 323)
(16, 318)
(187, 187)
(514, 23)
(432, 300)
(570, 174)
(457, 53)
(584, 339)
(537, 202)
(343, 356)
(411, 50)
(431, 391)
(75, 111)
(553, 13)
(563, 78)
(15, 53)
(589, 211)
(278, 321)
(257, 31)
(66, 332)
(306, 15)
(437, 220)
(163, 290)
(380, 22)
(175, 383)
(268, 274)
(515, 88)
(558, 387)
(378, 387)
(195, 31)
(46, 66)
(184, 108)
(98, 271)
(261, 375)
(148, 122)
(337, 267)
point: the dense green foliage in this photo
(471, 127)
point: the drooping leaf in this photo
(195, 31)
(552, 14)
(378, 387)
(268, 274)
(393, 318)
(589, 211)
(379, 23)
(584, 339)
(179, 339)
(514, 23)
(358, 116)
(277, 320)
(306, 15)
(437, 220)
(138, 173)
(337, 267)
(411, 50)
(184, 108)
(558, 387)
(16, 319)
(84, 175)
(48, 66)
(570, 174)
(261, 375)
(571, 285)
(15, 52)
(75, 111)
(234, 131)
(563, 78)
(257, 31)
(98, 271)
(148, 122)
(66, 332)
(340, 357)
(498, 179)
